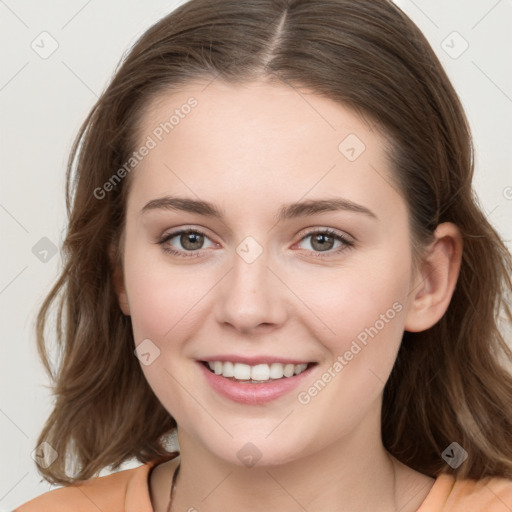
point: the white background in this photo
(44, 101)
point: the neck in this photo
(353, 475)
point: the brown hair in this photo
(448, 383)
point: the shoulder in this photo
(490, 494)
(107, 493)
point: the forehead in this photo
(258, 107)
(261, 140)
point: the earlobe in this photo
(118, 280)
(435, 283)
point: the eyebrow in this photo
(286, 212)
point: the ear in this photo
(118, 280)
(435, 282)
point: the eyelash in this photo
(347, 244)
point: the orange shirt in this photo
(128, 491)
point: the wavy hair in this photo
(451, 382)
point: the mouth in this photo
(262, 381)
(261, 373)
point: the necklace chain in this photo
(177, 470)
(173, 486)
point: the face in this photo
(264, 284)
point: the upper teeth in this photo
(258, 372)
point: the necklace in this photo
(177, 470)
(173, 486)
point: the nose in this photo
(252, 297)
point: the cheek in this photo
(365, 308)
(149, 300)
(161, 310)
(364, 295)
(160, 297)
(361, 313)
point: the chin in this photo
(258, 450)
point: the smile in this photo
(257, 383)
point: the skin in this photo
(249, 149)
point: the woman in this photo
(274, 252)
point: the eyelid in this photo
(324, 229)
(347, 242)
(179, 231)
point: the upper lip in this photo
(253, 360)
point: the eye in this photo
(323, 240)
(191, 240)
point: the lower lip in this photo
(253, 394)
